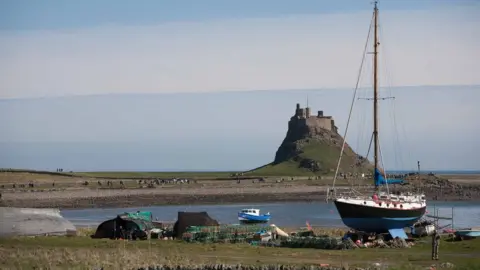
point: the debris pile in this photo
(318, 242)
(226, 233)
(379, 243)
(337, 243)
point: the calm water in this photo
(466, 214)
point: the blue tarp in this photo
(400, 233)
(380, 180)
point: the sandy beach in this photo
(72, 193)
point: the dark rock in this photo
(320, 133)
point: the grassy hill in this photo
(308, 150)
(323, 154)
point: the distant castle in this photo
(302, 118)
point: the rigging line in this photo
(389, 92)
(384, 170)
(400, 133)
(397, 153)
(361, 116)
(368, 153)
(353, 102)
(370, 145)
(397, 135)
(396, 141)
(362, 121)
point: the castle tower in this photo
(307, 112)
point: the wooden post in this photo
(452, 220)
(327, 194)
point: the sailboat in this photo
(380, 212)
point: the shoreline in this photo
(130, 198)
(44, 191)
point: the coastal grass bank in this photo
(82, 252)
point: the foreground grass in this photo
(83, 253)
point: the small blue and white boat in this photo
(251, 215)
(468, 233)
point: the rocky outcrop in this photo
(315, 145)
(439, 188)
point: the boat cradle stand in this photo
(366, 237)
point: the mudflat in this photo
(35, 190)
(69, 198)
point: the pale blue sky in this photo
(232, 130)
(156, 69)
(58, 14)
(96, 47)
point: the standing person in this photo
(435, 244)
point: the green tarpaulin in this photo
(141, 215)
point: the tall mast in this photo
(375, 87)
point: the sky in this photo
(56, 48)
(232, 130)
(152, 72)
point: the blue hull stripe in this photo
(379, 224)
(254, 218)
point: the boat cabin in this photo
(398, 197)
(251, 211)
(383, 197)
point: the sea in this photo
(321, 214)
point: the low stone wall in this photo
(375, 266)
(242, 267)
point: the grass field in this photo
(287, 168)
(24, 176)
(126, 174)
(207, 175)
(85, 253)
(282, 171)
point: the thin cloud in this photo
(427, 47)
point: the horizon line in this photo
(228, 91)
(215, 171)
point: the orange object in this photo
(308, 226)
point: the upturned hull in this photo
(468, 233)
(374, 219)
